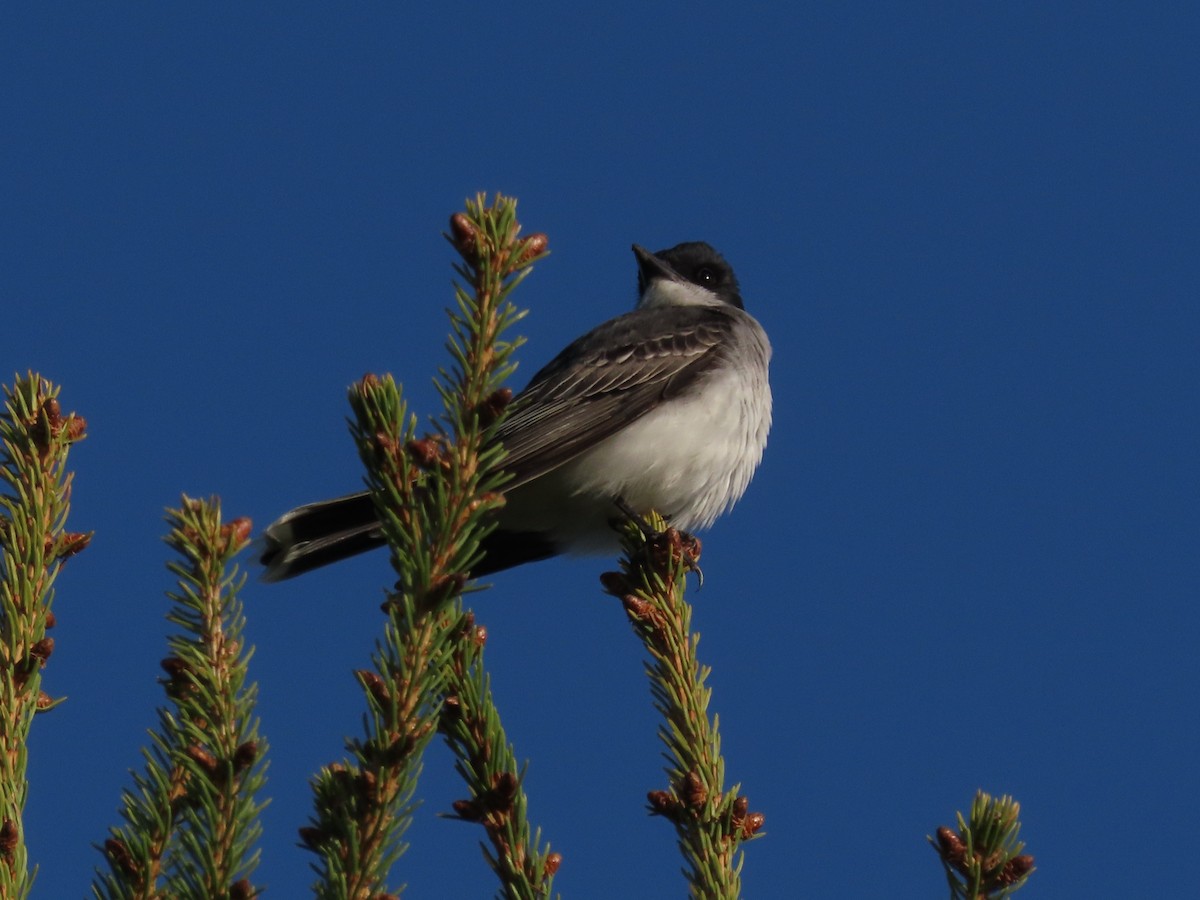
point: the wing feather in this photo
(608, 378)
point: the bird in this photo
(666, 407)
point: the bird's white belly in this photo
(691, 459)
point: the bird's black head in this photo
(693, 264)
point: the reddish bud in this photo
(496, 402)
(51, 620)
(615, 583)
(637, 609)
(693, 790)
(741, 806)
(180, 684)
(1016, 869)
(42, 650)
(753, 823)
(8, 837)
(239, 530)
(244, 756)
(49, 422)
(424, 452)
(339, 773)
(532, 247)
(44, 701)
(376, 686)
(467, 809)
(76, 428)
(553, 861)
(451, 712)
(72, 542)
(122, 859)
(465, 236)
(504, 789)
(385, 445)
(241, 890)
(663, 803)
(951, 845)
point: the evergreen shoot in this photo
(710, 822)
(35, 438)
(983, 858)
(434, 496)
(192, 819)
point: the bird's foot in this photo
(670, 543)
(648, 532)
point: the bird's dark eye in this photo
(706, 276)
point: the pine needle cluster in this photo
(35, 438)
(192, 821)
(983, 858)
(434, 495)
(711, 822)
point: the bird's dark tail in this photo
(318, 534)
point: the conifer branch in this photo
(192, 819)
(711, 823)
(486, 761)
(433, 496)
(495, 260)
(35, 438)
(983, 858)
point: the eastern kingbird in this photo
(666, 407)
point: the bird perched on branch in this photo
(666, 407)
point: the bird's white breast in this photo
(690, 458)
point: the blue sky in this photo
(970, 556)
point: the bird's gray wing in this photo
(608, 378)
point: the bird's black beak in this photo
(651, 267)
